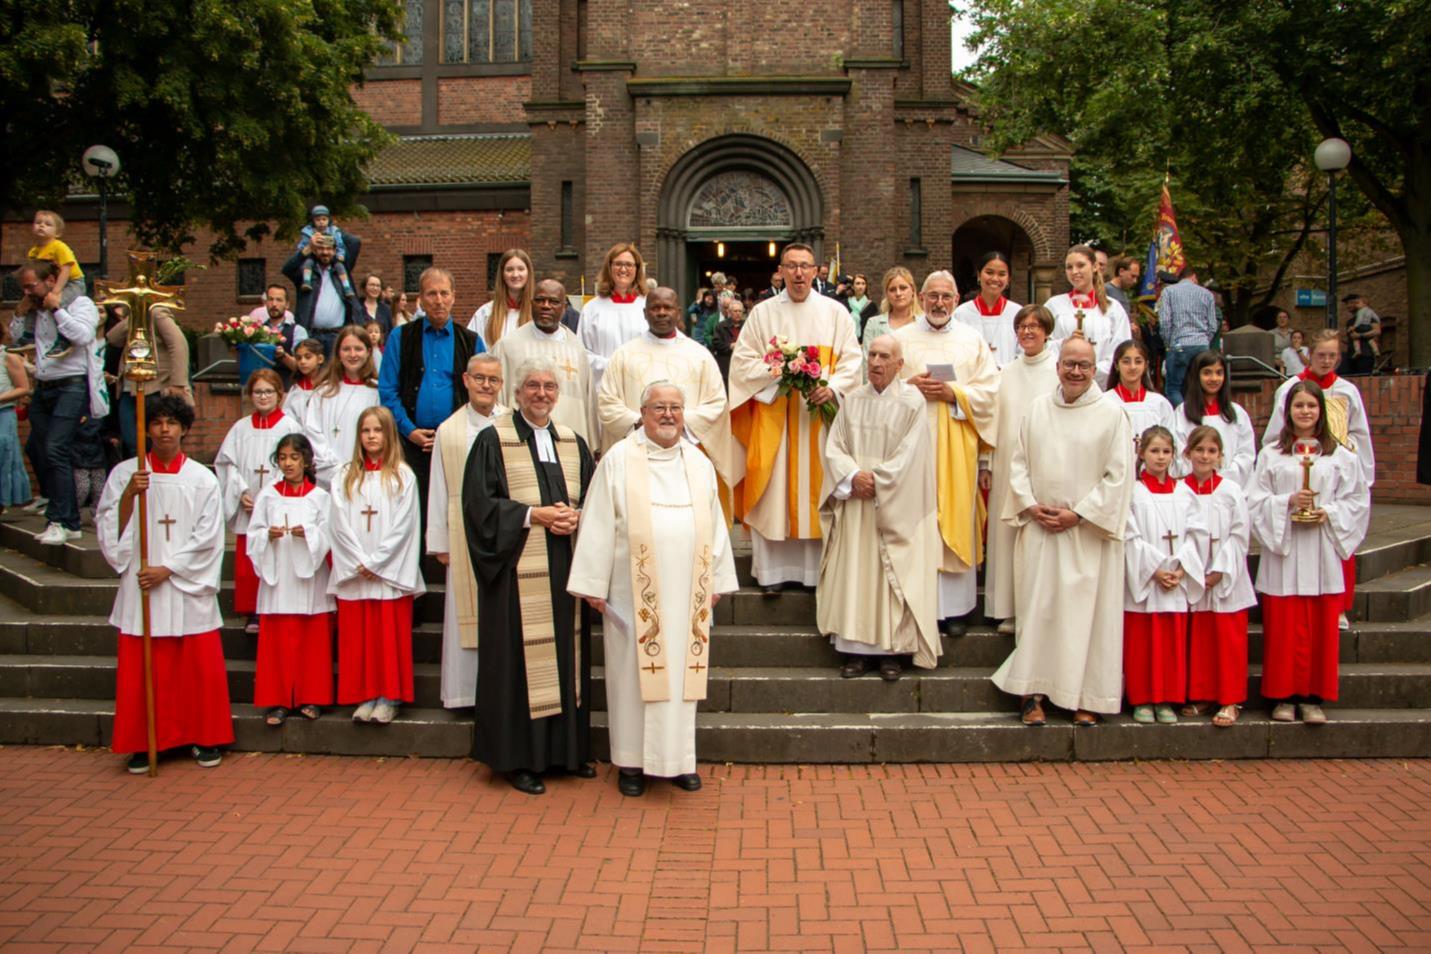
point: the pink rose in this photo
(248, 331)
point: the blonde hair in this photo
(392, 463)
(605, 284)
(899, 271)
(332, 380)
(1100, 291)
(497, 320)
(1326, 334)
(55, 218)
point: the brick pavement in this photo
(272, 852)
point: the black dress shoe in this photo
(954, 626)
(631, 784)
(772, 589)
(526, 782)
(890, 669)
(854, 667)
(585, 770)
(690, 782)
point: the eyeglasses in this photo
(1076, 365)
(623, 266)
(799, 266)
(665, 408)
(485, 379)
(940, 296)
(546, 387)
(264, 392)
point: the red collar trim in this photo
(626, 299)
(348, 380)
(173, 467)
(1166, 486)
(1323, 383)
(1204, 488)
(512, 303)
(305, 385)
(369, 464)
(285, 489)
(1080, 300)
(1130, 397)
(264, 423)
(988, 311)
(1211, 408)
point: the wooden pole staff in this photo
(149, 716)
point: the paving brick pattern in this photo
(319, 854)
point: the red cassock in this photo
(1217, 657)
(1300, 642)
(1349, 581)
(374, 650)
(245, 579)
(191, 693)
(1155, 657)
(295, 660)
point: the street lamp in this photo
(1332, 156)
(100, 162)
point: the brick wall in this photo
(482, 99)
(391, 102)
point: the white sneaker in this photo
(1312, 714)
(385, 711)
(1284, 712)
(55, 533)
(364, 712)
(1343, 623)
(37, 505)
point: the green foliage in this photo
(223, 113)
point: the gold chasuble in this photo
(533, 574)
(958, 436)
(783, 442)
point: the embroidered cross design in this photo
(262, 472)
(652, 668)
(1170, 537)
(567, 367)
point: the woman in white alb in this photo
(513, 294)
(618, 312)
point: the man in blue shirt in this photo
(1187, 317)
(421, 376)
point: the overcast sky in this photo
(959, 29)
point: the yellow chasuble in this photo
(782, 441)
(959, 438)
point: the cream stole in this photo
(645, 562)
(453, 444)
(534, 592)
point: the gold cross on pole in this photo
(369, 513)
(168, 522)
(139, 296)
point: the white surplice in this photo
(657, 737)
(378, 529)
(1069, 585)
(244, 463)
(1152, 410)
(1229, 528)
(330, 423)
(1305, 559)
(459, 665)
(575, 404)
(996, 330)
(478, 323)
(292, 571)
(295, 402)
(1239, 443)
(1147, 549)
(1358, 435)
(605, 326)
(185, 533)
(1105, 330)
(1019, 384)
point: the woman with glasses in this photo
(244, 466)
(618, 312)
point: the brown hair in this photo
(497, 320)
(1099, 291)
(1115, 377)
(1287, 440)
(392, 452)
(1044, 316)
(1121, 262)
(332, 380)
(264, 374)
(1202, 433)
(797, 247)
(605, 284)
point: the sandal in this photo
(276, 716)
(310, 712)
(1227, 715)
(1084, 719)
(1032, 712)
(1195, 709)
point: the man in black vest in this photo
(421, 376)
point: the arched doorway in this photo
(986, 233)
(726, 203)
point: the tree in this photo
(225, 114)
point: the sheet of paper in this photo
(942, 372)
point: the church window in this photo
(741, 200)
(486, 31)
(409, 53)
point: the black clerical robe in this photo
(506, 737)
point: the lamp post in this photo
(101, 163)
(1332, 156)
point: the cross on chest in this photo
(262, 471)
(1170, 537)
(569, 369)
(370, 513)
(167, 522)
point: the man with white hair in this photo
(453, 443)
(653, 557)
(952, 366)
(522, 492)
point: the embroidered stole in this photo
(534, 592)
(1338, 419)
(645, 562)
(452, 443)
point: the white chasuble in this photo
(1346, 416)
(690, 367)
(1019, 384)
(574, 406)
(1305, 559)
(1069, 585)
(1105, 330)
(292, 570)
(185, 526)
(996, 330)
(782, 443)
(655, 736)
(330, 423)
(455, 437)
(376, 528)
(877, 576)
(244, 463)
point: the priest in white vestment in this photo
(663, 353)
(782, 441)
(653, 556)
(1070, 484)
(545, 338)
(483, 379)
(952, 366)
(879, 516)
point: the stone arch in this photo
(1036, 231)
(759, 156)
(981, 234)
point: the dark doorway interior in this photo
(749, 263)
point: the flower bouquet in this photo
(798, 367)
(246, 330)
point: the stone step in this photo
(738, 689)
(1405, 594)
(809, 738)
